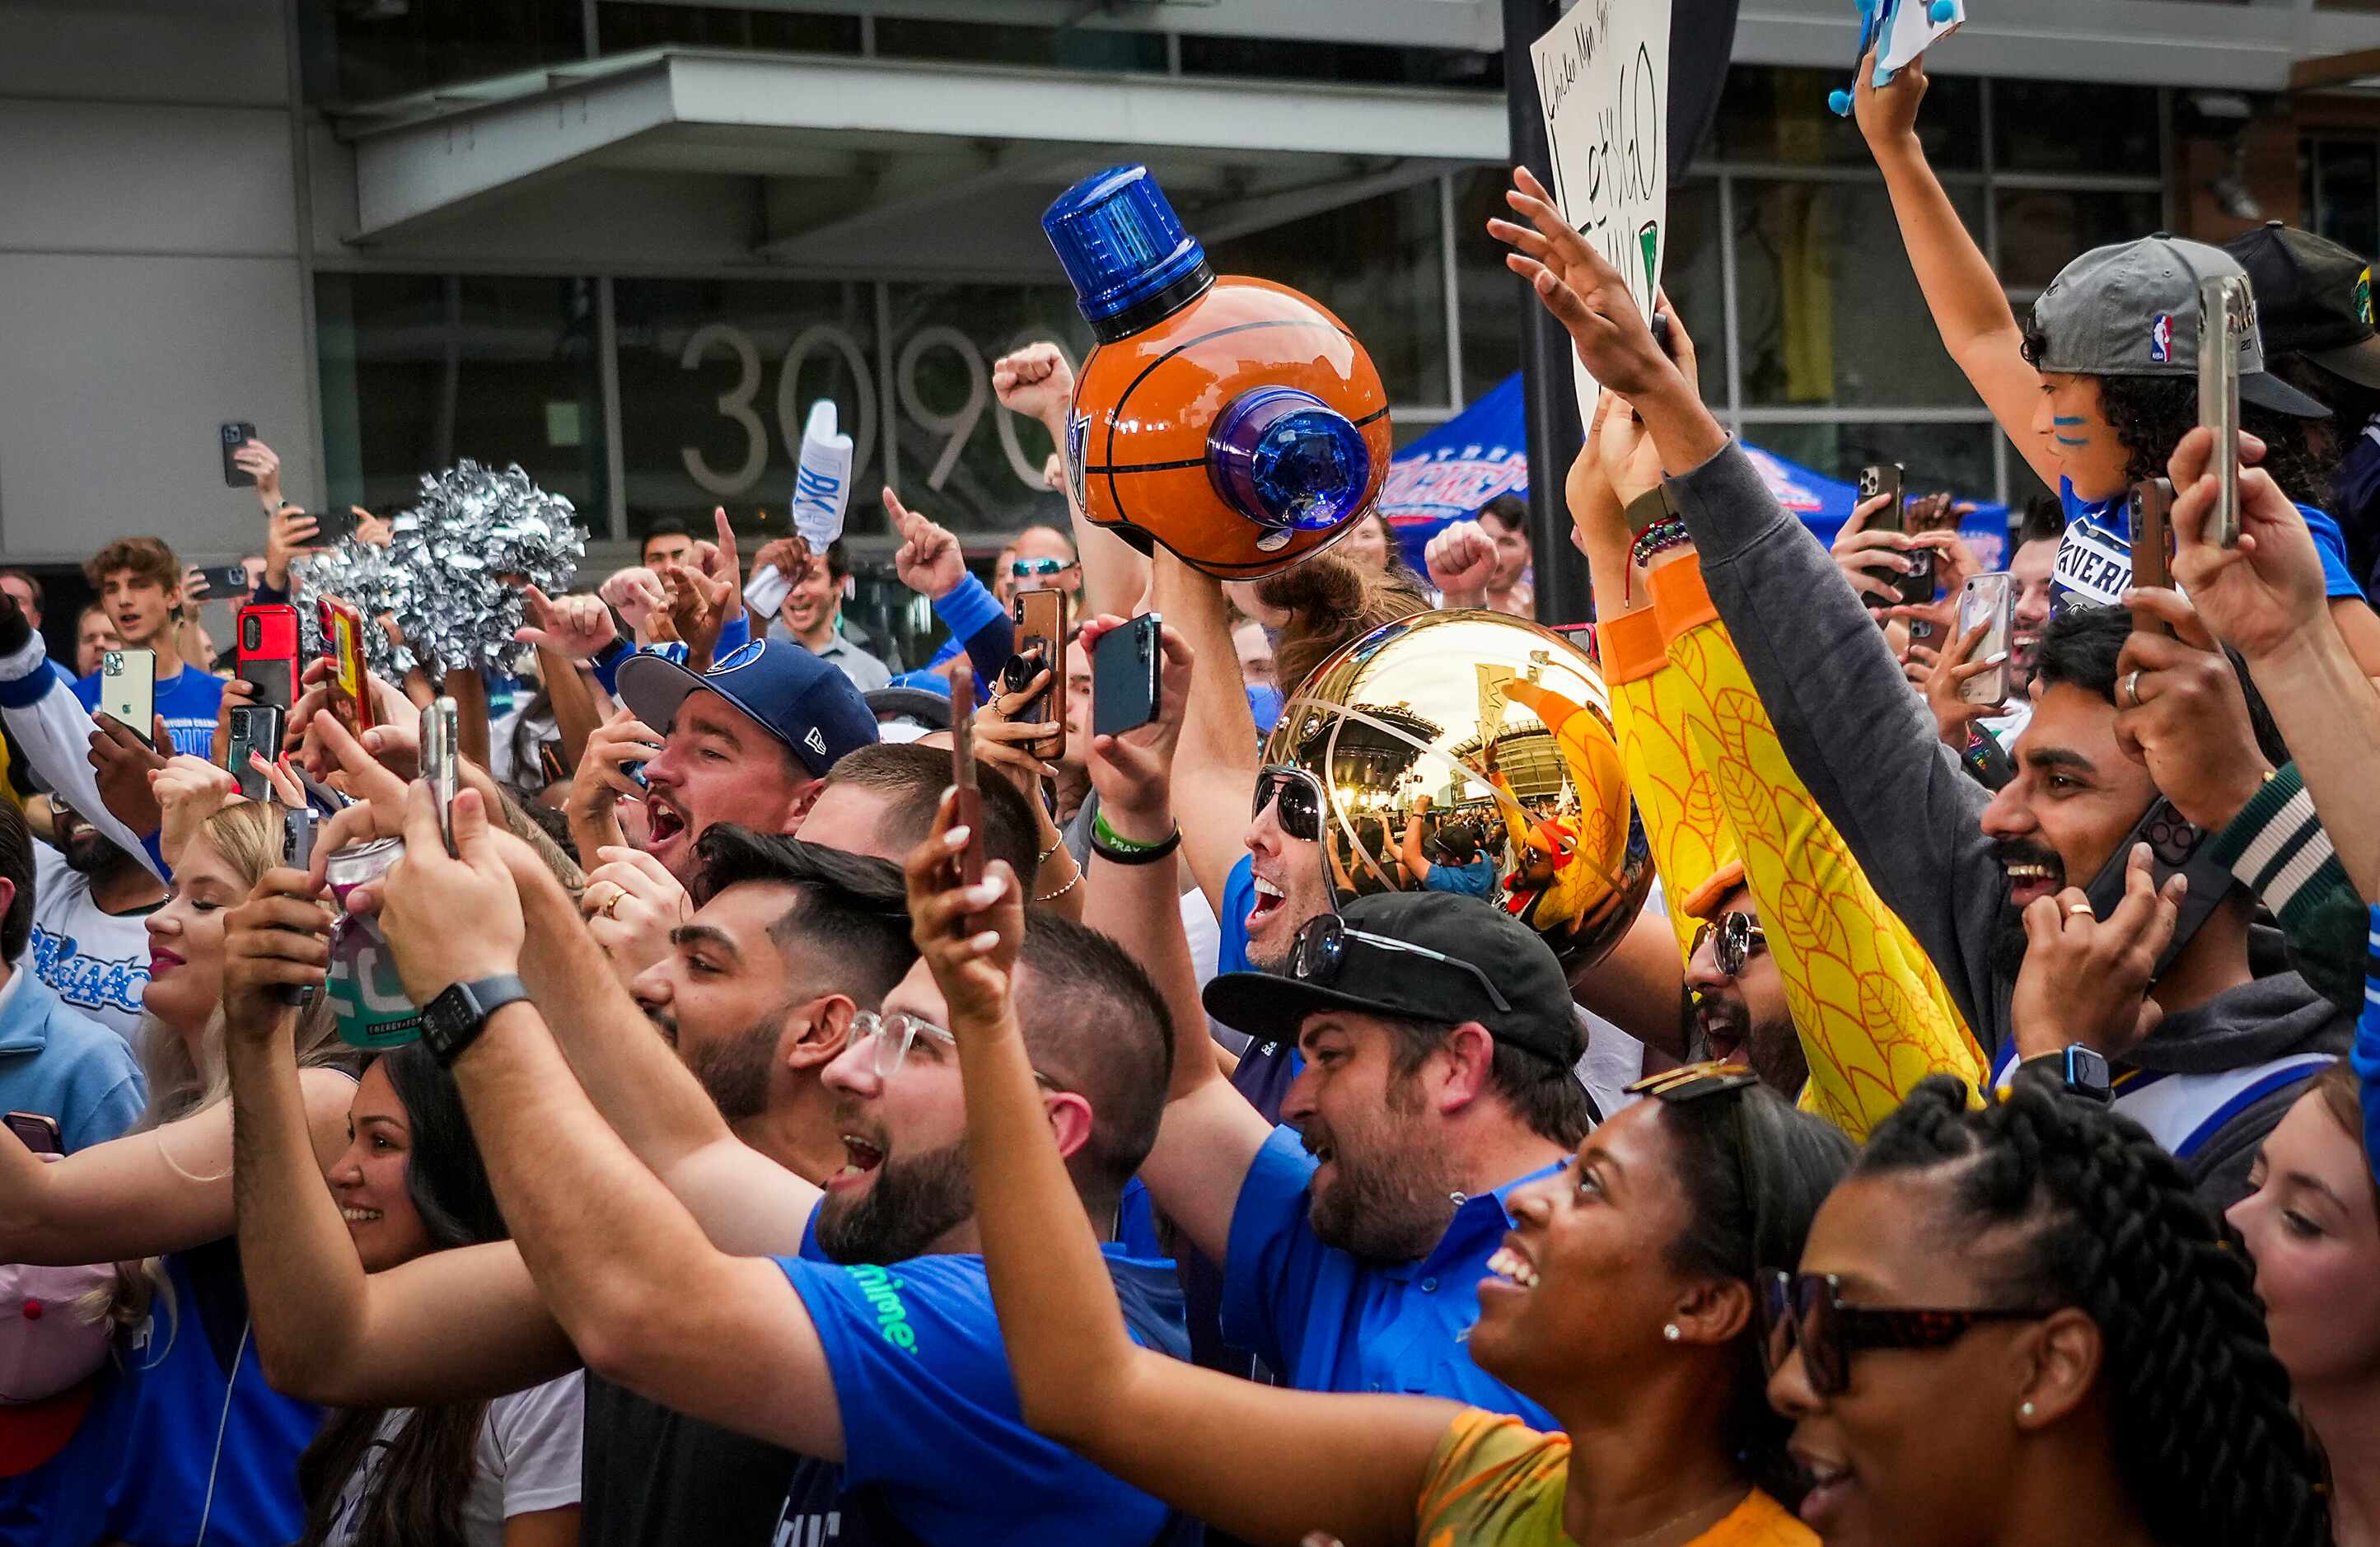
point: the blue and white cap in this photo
(805, 703)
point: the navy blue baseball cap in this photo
(805, 703)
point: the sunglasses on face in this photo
(1805, 1311)
(1320, 954)
(1738, 939)
(1025, 569)
(1300, 800)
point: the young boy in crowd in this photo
(139, 582)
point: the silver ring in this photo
(2133, 688)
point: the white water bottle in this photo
(822, 480)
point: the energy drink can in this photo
(368, 998)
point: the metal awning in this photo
(844, 148)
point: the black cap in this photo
(1373, 981)
(2314, 298)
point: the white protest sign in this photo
(1603, 81)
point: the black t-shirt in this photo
(655, 1478)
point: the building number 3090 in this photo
(737, 404)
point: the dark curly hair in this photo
(2199, 1416)
(2151, 413)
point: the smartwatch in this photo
(453, 1021)
(2080, 1070)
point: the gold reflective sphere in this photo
(1499, 734)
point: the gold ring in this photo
(611, 909)
(2078, 908)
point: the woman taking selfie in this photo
(2313, 1229)
(501, 1473)
(2017, 1325)
(1623, 1304)
(187, 1436)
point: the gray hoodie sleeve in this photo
(1865, 744)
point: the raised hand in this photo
(2180, 713)
(372, 531)
(697, 609)
(637, 593)
(929, 562)
(1038, 383)
(600, 784)
(722, 562)
(788, 556)
(2086, 980)
(186, 791)
(288, 532)
(123, 760)
(1461, 560)
(1947, 674)
(278, 939)
(423, 895)
(1586, 294)
(976, 970)
(2259, 595)
(1134, 772)
(1017, 747)
(575, 625)
(1887, 114)
(260, 462)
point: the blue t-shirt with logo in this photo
(1475, 879)
(190, 700)
(933, 1441)
(2094, 558)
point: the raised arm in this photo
(641, 1292)
(1970, 309)
(1236, 1455)
(1215, 771)
(54, 730)
(1038, 383)
(445, 1327)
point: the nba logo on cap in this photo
(2161, 338)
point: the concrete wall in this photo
(153, 282)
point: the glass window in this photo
(1771, 113)
(1313, 59)
(420, 371)
(1829, 308)
(2346, 192)
(2042, 230)
(960, 456)
(1377, 264)
(2058, 126)
(709, 415)
(622, 27)
(1953, 456)
(362, 53)
(1077, 48)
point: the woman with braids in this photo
(468, 1474)
(2018, 1326)
(2312, 1228)
(2097, 390)
(1622, 1301)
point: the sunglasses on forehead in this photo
(1299, 798)
(1806, 1310)
(1738, 939)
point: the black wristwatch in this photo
(453, 1021)
(2080, 1070)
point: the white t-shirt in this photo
(98, 962)
(527, 1457)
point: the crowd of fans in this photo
(1972, 1141)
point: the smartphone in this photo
(254, 727)
(1041, 618)
(438, 766)
(2174, 844)
(2225, 316)
(1989, 601)
(234, 436)
(1916, 587)
(1123, 675)
(2152, 502)
(38, 1132)
(223, 582)
(963, 780)
(298, 825)
(266, 647)
(331, 526)
(127, 689)
(343, 639)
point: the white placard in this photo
(1603, 81)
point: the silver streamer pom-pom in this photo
(452, 572)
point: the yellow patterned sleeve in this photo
(1874, 1016)
(1684, 825)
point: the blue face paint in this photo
(2069, 439)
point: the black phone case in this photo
(1124, 678)
(234, 436)
(247, 722)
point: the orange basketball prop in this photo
(1234, 420)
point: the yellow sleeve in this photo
(1684, 824)
(1872, 1014)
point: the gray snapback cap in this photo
(2132, 309)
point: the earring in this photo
(1669, 1332)
(2025, 1411)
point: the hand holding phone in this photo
(1988, 600)
(1125, 665)
(350, 685)
(265, 641)
(127, 689)
(1040, 620)
(2152, 503)
(439, 766)
(220, 582)
(969, 862)
(255, 728)
(2225, 318)
(233, 436)
(299, 825)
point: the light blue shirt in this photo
(64, 1065)
(1329, 1321)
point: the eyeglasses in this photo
(1300, 795)
(891, 1036)
(1020, 569)
(1806, 1310)
(1739, 941)
(1319, 953)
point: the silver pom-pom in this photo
(452, 572)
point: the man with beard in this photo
(1735, 999)
(2121, 716)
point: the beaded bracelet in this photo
(1662, 534)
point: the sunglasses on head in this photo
(1299, 798)
(1318, 955)
(1739, 939)
(1805, 1311)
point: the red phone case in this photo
(267, 641)
(343, 641)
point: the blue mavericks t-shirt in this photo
(934, 1448)
(2094, 558)
(1475, 879)
(190, 700)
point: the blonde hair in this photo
(182, 1083)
